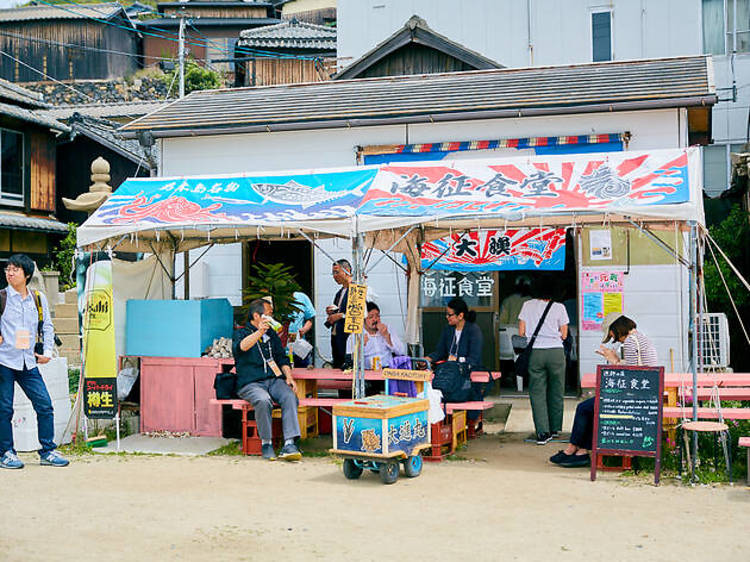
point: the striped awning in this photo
(518, 143)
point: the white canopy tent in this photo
(397, 207)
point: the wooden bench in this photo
(307, 413)
(475, 427)
(745, 442)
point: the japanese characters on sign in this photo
(438, 287)
(100, 397)
(356, 309)
(563, 182)
(492, 250)
(628, 412)
(601, 293)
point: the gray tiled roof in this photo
(508, 92)
(105, 132)
(61, 12)
(15, 93)
(127, 109)
(23, 222)
(32, 117)
(291, 34)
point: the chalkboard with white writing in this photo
(628, 413)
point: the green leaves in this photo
(277, 281)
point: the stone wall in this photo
(139, 89)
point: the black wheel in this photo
(413, 466)
(389, 472)
(351, 470)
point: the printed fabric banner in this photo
(539, 184)
(99, 360)
(497, 250)
(601, 293)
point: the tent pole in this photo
(359, 341)
(694, 332)
(186, 272)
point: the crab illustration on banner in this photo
(526, 185)
(495, 250)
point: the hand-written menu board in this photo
(628, 412)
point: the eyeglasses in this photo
(11, 269)
(449, 314)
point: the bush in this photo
(196, 78)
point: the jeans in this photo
(582, 434)
(546, 387)
(32, 384)
(262, 394)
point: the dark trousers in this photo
(262, 394)
(582, 434)
(32, 384)
(338, 348)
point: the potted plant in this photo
(277, 281)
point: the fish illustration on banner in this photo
(553, 183)
(293, 193)
(497, 250)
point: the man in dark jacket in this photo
(264, 377)
(336, 313)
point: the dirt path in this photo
(505, 503)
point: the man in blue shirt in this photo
(18, 363)
(301, 323)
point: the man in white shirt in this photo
(381, 344)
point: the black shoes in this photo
(543, 438)
(570, 461)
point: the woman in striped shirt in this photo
(636, 349)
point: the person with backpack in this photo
(459, 351)
(546, 322)
(25, 318)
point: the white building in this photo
(521, 33)
(646, 104)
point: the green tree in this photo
(196, 78)
(62, 258)
(275, 280)
(732, 236)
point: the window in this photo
(719, 31)
(717, 167)
(11, 167)
(601, 36)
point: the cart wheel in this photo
(389, 472)
(351, 470)
(413, 466)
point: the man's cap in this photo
(608, 320)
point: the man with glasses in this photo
(18, 363)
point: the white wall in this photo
(655, 296)
(559, 31)
(221, 274)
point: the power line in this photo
(47, 75)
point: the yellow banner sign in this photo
(356, 309)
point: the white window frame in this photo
(602, 10)
(12, 199)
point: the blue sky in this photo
(9, 3)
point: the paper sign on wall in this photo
(600, 245)
(601, 293)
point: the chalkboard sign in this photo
(627, 413)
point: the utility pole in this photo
(181, 55)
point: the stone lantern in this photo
(98, 192)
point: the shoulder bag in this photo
(524, 351)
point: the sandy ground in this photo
(503, 502)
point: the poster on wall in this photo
(498, 250)
(95, 307)
(600, 245)
(601, 293)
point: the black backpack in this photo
(453, 380)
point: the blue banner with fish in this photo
(236, 199)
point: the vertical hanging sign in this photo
(356, 309)
(99, 361)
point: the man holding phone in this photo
(336, 313)
(381, 345)
(19, 355)
(264, 377)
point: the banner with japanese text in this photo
(99, 358)
(539, 184)
(497, 250)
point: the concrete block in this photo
(66, 311)
(70, 341)
(66, 326)
(71, 296)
